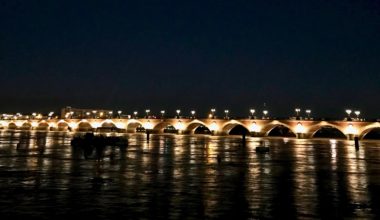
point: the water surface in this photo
(179, 177)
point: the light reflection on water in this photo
(178, 176)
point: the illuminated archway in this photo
(197, 127)
(107, 126)
(63, 126)
(135, 126)
(26, 126)
(84, 126)
(328, 131)
(280, 130)
(43, 126)
(12, 125)
(238, 130)
(231, 125)
(372, 133)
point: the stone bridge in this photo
(255, 127)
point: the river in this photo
(179, 177)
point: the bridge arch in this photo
(278, 129)
(227, 127)
(12, 125)
(197, 127)
(132, 125)
(63, 125)
(326, 130)
(84, 126)
(43, 125)
(368, 130)
(107, 124)
(162, 125)
(26, 126)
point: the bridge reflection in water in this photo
(177, 176)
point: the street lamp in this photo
(162, 113)
(297, 112)
(348, 111)
(110, 114)
(252, 111)
(213, 112)
(94, 113)
(357, 113)
(308, 112)
(50, 114)
(178, 112)
(119, 113)
(192, 114)
(265, 112)
(147, 111)
(226, 112)
(135, 114)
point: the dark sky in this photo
(323, 55)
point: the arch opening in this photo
(373, 134)
(139, 129)
(202, 130)
(12, 126)
(170, 129)
(26, 126)
(281, 131)
(238, 130)
(84, 126)
(42, 126)
(63, 126)
(329, 132)
(107, 127)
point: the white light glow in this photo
(214, 126)
(148, 125)
(351, 129)
(254, 127)
(300, 128)
(179, 125)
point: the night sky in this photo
(132, 55)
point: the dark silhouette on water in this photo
(218, 158)
(356, 139)
(89, 142)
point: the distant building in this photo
(69, 112)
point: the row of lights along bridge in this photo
(212, 114)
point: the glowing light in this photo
(61, 121)
(214, 126)
(120, 125)
(73, 125)
(3, 124)
(18, 123)
(254, 127)
(34, 124)
(96, 124)
(148, 125)
(179, 126)
(351, 129)
(348, 111)
(300, 128)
